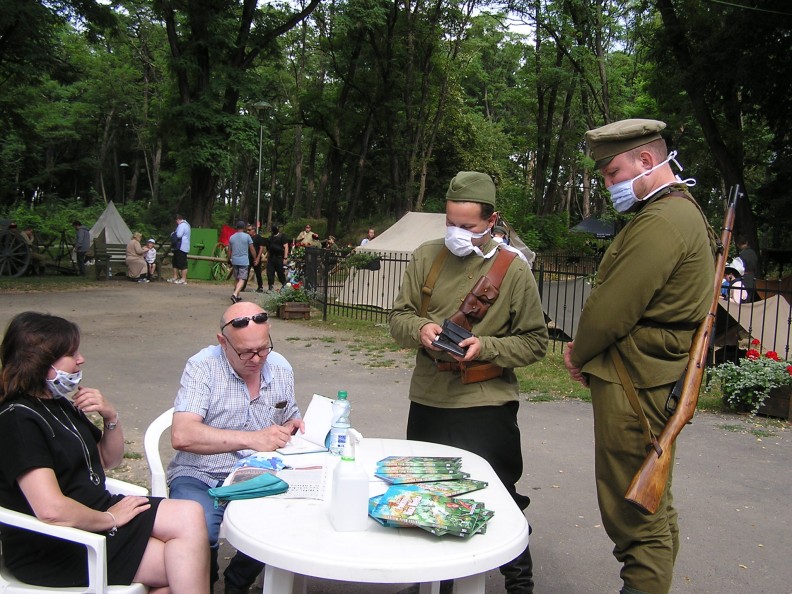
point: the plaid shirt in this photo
(212, 389)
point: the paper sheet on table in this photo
(318, 419)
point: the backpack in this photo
(175, 241)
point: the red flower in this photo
(789, 369)
(755, 342)
(772, 355)
(752, 354)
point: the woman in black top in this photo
(52, 460)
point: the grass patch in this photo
(133, 456)
(548, 380)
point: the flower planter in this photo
(295, 310)
(778, 404)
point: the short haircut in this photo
(657, 148)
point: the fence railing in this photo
(366, 291)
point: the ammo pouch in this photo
(474, 372)
(476, 303)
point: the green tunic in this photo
(654, 285)
(512, 333)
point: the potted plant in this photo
(291, 302)
(748, 384)
(363, 261)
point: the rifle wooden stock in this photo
(649, 483)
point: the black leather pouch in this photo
(450, 338)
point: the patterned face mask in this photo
(64, 385)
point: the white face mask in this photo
(622, 194)
(459, 242)
(64, 385)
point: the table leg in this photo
(279, 581)
(472, 584)
(429, 588)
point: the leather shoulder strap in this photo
(431, 279)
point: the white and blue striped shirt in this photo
(212, 389)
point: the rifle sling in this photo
(632, 397)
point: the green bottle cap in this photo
(342, 395)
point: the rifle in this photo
(649, 483)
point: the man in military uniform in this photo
(480, 417)
(654, 286)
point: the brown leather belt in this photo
(447, 365)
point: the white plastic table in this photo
(295, 536)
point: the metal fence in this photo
(365, 290)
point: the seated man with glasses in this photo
(236, 398)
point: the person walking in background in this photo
(476, 414)
(277, 253)
(369, 236)
(235, 398)
(81, 246)
(654, 287)
(182, 235)
(241, 246)
(255, 262)
(151, 258)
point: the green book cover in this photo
(431, 461)
(426, 510)
(398, 477)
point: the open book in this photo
(318, 419)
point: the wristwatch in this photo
(111, 426)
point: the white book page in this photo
(304, 482)
(318, 419)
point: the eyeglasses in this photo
(248, 355)
(259, 318)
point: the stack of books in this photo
(422, 495)
(398, 470)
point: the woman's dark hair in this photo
(32, 343)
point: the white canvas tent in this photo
(110, 228)
(767, 321)
(378, 288)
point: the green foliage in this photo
(274, 299)
(747, 384)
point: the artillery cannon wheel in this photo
(221, 270)
(14, 254)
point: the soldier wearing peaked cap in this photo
(478, 415)
(654, 288)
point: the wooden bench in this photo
(108, 256)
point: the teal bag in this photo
(260, 486)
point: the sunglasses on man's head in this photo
(243, 322)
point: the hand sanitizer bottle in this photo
(349, 497)
(342, 409)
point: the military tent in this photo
(110, 228)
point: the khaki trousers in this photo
(646, 545)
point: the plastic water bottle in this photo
(338, 430)
(350, 493)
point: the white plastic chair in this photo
(151, 441)
(95, 544)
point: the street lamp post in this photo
(123, 167)
(261, 110)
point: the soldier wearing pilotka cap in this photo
(654, 287)
(478, 415)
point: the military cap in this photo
(471, 186)
(619, 137)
